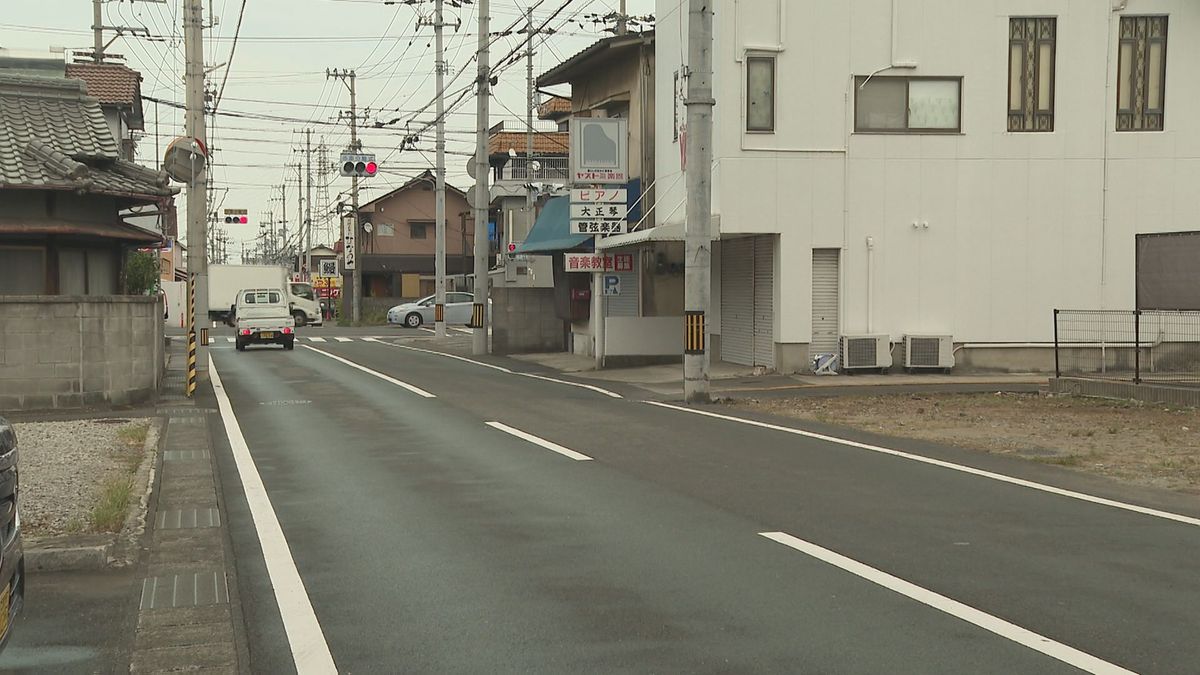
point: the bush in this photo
(141, 273)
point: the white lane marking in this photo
(589, 387)
(468, 331)
(1004, 629)
(343, 339)
(316, 339)
(549, 445)
(310, 652)
(228, 339)
(428, 330)
(403, 385)
(1166, 515)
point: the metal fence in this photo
(1128, 345)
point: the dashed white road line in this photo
(1166, 515)
(386, 378)
(310, 651)
(344, 339)
(316, 339)
(229, 339)
(549, 445)
(1004, 629)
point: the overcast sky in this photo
(278, 70)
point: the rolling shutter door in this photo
(824, 301)
(764, 301)
(625, 304)
(737, 301)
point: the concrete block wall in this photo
(524, 322)
(61, 352)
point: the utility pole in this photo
(347, 77)
(698, 240)
(280, 249)
(97, 31)
(294, 261)
(528, 123)
(479, 342)
(308, 203)
(440, 209)
(197, 190)
(622, 20)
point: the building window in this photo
(1031, 52)
(1142, 73)
(418, 230)
(900, 105)
(387, 230)
(760, 93)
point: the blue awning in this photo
(551, 232)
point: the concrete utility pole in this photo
(622, 20)
(529, 209)
(698, 239)
(440, 214)
(308, 203)
(197, 189)
(347, 77)
(299, 215)
(281, 249)
(97, 31)
(479, 342)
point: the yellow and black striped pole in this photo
(693, 332)
(191, 336)
(476, 315)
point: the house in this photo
(72, 337)
(118, 88)
(613, 77)
(937, 167)
(397, 245)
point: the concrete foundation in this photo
(1150, 393)
(79, 351)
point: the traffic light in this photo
(236, 220)
(363, 166)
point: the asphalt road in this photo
(428, 541)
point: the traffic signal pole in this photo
(347, 77)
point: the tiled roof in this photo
(554, 107)
(108, 82)
(53, 136)
(544, 142)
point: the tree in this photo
(141, 273)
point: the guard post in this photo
(191, 336)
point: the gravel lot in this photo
(1145, 444)
(63, 467)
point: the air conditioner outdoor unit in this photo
(928, 351)
(866, 352)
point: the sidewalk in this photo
(186, 620)
(734, 380)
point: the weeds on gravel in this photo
(134, 435)
(108, 515)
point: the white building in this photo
(949, 167)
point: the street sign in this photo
(595, 262)
(606, 195)
(599, 150)
(327, 268)
(598, 226)
(612, 285)
(349, 237)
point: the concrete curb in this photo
(101, 551)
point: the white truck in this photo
(262, 316)
(224, 282)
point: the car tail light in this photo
(287, 330)
(245, 331)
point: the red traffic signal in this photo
(372, 167)
(512, 248)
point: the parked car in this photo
(263, 316)
(413, 314)
(12, 558)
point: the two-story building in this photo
(940, 167)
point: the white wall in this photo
(643, 336)
(1019, 223)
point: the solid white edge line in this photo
(1004, 629)
(589, 387)
(310, 651)
(549, 445)
(1146, 511)
(386, 378)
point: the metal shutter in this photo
(625, 304)
(824, 301)
(737, 301)
(764, 301)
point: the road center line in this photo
(310, 651)
(1004, 629)
(1166, 515)
(549, 445)
(386, 378)
(580, 385)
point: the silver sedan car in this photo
(413, 314)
